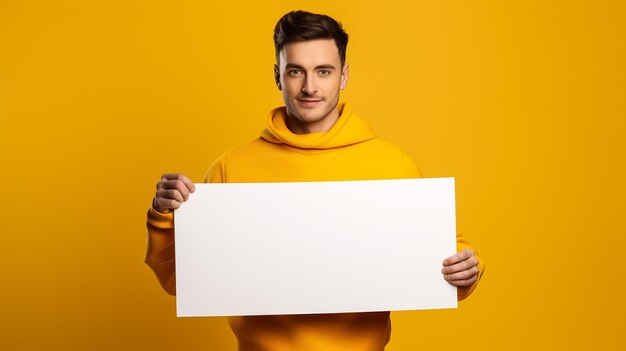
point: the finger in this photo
(178, 185)
(463, 275)
(461, 266)
(466, 282)
(166, 205)
(461, 256)
(170, 176)
(173, 194)
(183, 178)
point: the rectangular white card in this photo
(315, 247)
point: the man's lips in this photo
(309, 101)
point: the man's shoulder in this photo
(382, 152)
(383, 145)
(252, 146)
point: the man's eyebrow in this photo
(325, 66)
(293, 65)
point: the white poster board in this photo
(315, 247)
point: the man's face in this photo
(310, 76)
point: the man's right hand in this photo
(172, 191)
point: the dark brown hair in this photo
(302, 26)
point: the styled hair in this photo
(303, 26)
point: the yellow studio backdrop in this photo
(522, 101)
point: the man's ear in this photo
(277, 77)
(345, 72)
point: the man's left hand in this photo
(461, 269)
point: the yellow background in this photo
(522, 101)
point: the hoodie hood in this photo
(348, 129)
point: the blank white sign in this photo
(315, 247)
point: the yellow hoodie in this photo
(348, 151)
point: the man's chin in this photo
(310, 118)
(307, 115)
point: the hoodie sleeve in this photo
(160, 251)
(413, 171)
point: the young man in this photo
(311, 138)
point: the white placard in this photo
(315, 247)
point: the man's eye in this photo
(295, 72)
(324, 72)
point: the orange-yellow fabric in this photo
(348, 151)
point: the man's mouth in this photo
(309, 101)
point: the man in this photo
(311, 138)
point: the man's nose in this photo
(309, 87)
